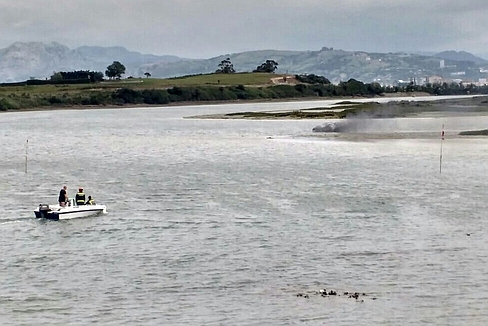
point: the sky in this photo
(208, 28)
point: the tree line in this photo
(227, 67)
(85, 75)
(320, 88)
(113, 71)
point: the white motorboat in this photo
(56, 212)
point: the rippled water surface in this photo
(224, 222)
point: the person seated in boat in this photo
(90, 201)
(63, 197)
(80, 197)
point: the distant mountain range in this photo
(21, 61)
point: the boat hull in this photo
(56, 212)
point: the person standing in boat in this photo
(80, 197)
(63, 197)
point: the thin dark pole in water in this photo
(440, 156)
(26, 146)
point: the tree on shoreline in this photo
(115, 70)
(225, 67)
(269, 66)
(91, 76)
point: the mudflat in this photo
(369, 109)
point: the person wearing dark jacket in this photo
(63, 197)
(80, 197)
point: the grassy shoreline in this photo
(55, 107)
(208, 89)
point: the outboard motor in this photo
(43, 210)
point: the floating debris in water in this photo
(331, 293)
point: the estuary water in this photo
(225, 222)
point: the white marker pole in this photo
(26, 146)
(440, 156)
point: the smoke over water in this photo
(372, 121)
(410, 119)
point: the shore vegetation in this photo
(62, 92)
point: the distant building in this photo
(458, 73)
(402, 83)
(442, 64)
(435, 80)
(468, 82)
(422, 80)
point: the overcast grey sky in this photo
(206, 28)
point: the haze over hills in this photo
(103, 56)
(21, 61)
(460, 56)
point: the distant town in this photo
(450, 74)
